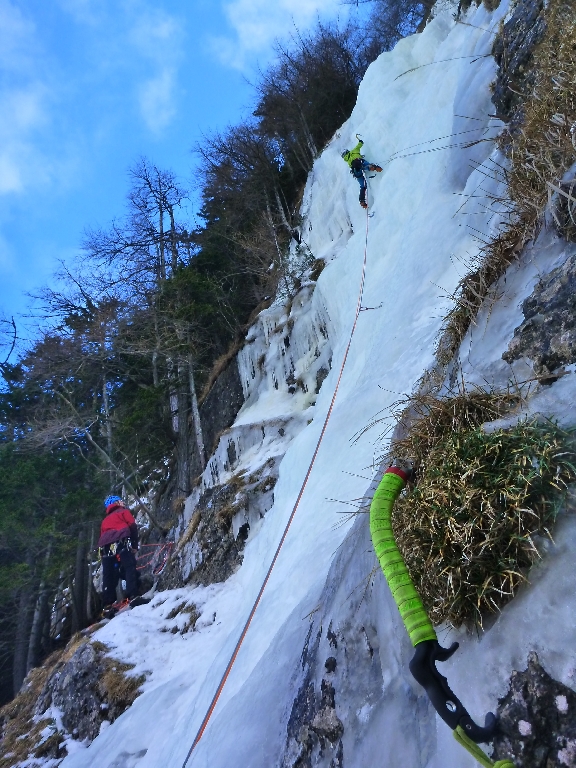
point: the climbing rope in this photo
(292, 514)
(156, 559)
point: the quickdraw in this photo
(420, 630)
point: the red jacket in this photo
(118, 524)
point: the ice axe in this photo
(419, 627)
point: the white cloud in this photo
(156, 99)
(83, 11)
(24, 98)
(256, 24)
(16, 33)
(158, 38)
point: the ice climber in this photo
(118, 545)
(358, 164)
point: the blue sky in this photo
(87, 86)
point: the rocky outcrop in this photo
(217, 412)
(537, 720)
(513, 49)
(73, 695)
(221, 405)
(347, 688)
(314, 729)
(548, 334)
(211, 546)
(88, 689)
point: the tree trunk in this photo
(113, 478)
(182, 443)
(79, 585)
(307, 135)
(173, 248)
(37, 630)
(281, 263)
(428, 5)
(197, 424)
(25, 607)
(162, 247)
(90, 591)
(281, 211)
(39, 619)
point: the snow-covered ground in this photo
(412, 104)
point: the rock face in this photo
(219, 528)
(314, 730)
(349, 691)
(512, 51)
(75, 692)
(537, 721)
(217, 413)
(88, 688)
(221, 405)
(548, 334)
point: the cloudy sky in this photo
(87, 86)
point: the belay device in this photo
(422, 635)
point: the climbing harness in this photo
(230, 664)
(419, 627)
(155, 559)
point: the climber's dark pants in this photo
(362, 181)
(112, 570)
(358, 167)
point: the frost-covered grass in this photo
(539, 155)
(467, 526)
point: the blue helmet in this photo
(344, 153)
(111, 499)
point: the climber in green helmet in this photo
(358, 164)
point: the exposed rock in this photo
(88, 688)
(330, 664)
(217, 413)
(548, 334)
(326, 723)
(512, 50)
(537, 720)
(71, 695)
(221, 405)
(224, 514)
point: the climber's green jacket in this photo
(353, 154)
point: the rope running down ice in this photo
(290, 519)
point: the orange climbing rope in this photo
(290, 519)
(156, 559)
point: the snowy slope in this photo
(418, 98)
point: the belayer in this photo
(358, 164)
(118, 545)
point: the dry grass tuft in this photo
(117, 687)
(540, 153)
(178, 504)
(466, 527)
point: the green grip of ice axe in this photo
(418, 624)
(409, 604)
(477, 753)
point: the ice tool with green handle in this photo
(419, 627)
